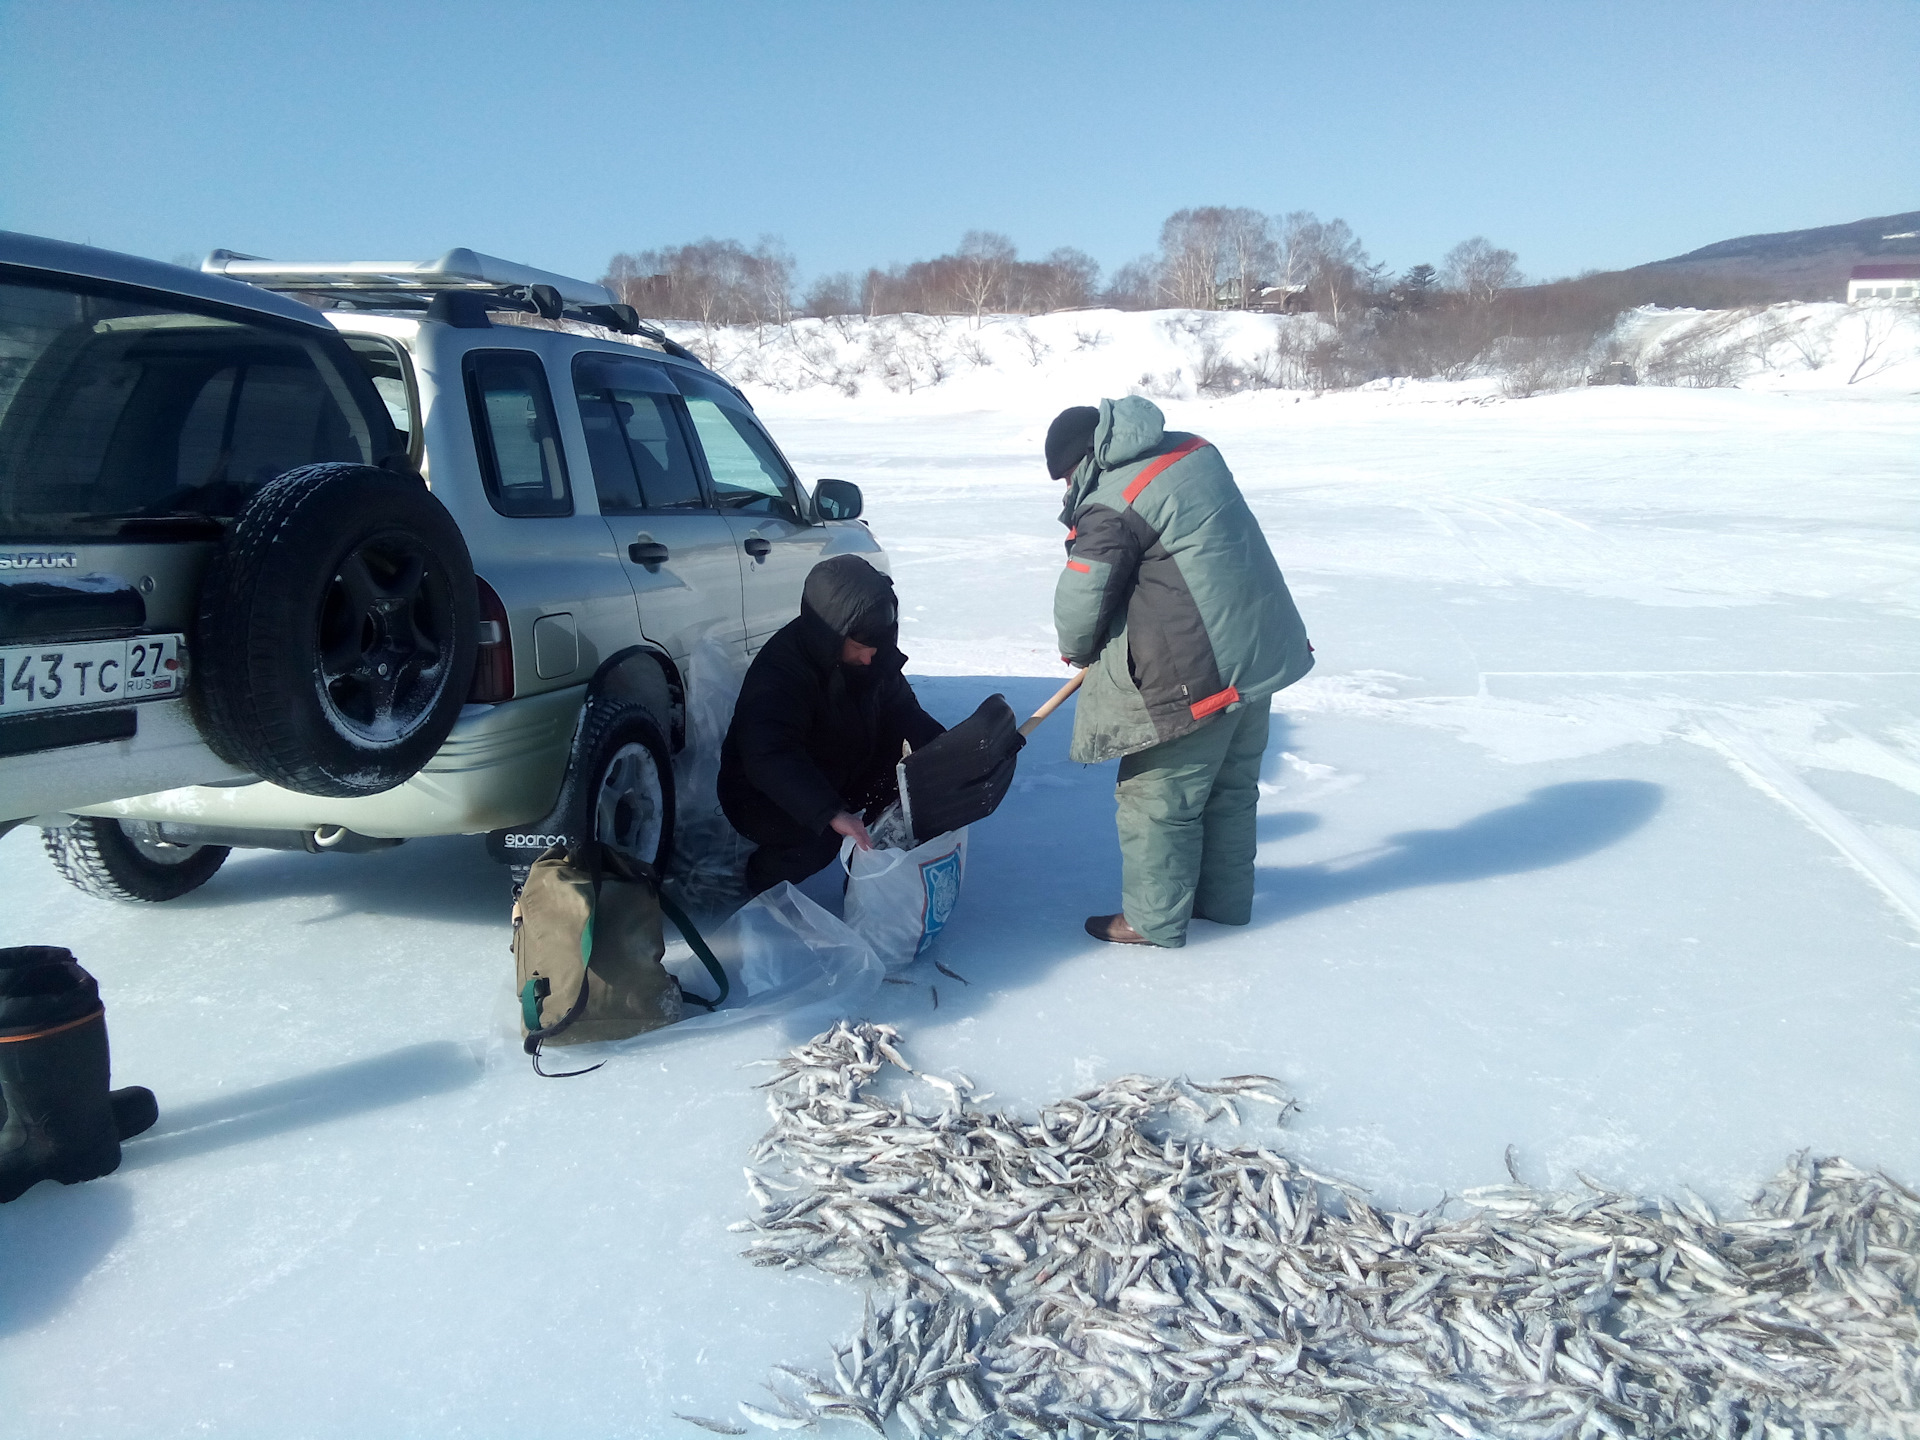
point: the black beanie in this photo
(1069, 438)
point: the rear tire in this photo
(99, 857)
(620, 791)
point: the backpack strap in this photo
(589, 855)
(699, 947)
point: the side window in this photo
(640, 456)
(386, 366)
(747, 472)
(514, 431)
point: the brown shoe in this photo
(1115, 930)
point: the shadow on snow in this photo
(1050, 857)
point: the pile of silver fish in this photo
(1107, 1269)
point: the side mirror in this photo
(837, 500)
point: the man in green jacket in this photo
(1174, 601)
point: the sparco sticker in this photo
(38, 560)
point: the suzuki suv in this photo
(150, 417)
(621, 507)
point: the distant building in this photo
(1273, 299)
(1884, 282)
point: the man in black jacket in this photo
(819, 723)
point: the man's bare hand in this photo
(850, 824)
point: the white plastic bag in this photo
(899, 900)
(793, 959)
(708, 872)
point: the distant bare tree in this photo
(1878, 324)
(985, 263)
(1249, 255)
(832, 295)
(1479, 271)
(1326, 257)
(1191, 242)
(1135, 285)
(712, 282)
(1066, 279)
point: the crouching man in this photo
(817, 730)
(1172, 597)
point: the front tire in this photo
(102, 858)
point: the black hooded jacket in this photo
(810, 736)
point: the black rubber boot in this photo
(134, 1110)
(56, 1119)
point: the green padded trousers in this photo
(1187, 826)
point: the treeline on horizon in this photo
(1429, 320)
(1209, 258)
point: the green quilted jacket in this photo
(1170, 593)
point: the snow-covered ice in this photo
(1595, 833)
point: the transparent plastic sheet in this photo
(708, 873)
(898, 901)
(787, 960)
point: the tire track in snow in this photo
(1770, 775)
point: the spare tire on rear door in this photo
(335, 639)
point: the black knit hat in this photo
(1069, 439)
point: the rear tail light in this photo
(493, 663)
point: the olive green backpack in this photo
(587, 942)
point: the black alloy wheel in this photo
(336, 633)
(384, 635)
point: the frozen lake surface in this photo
(1595, 833)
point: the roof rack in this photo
(458, 288)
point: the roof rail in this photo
(461, 286)
(456, 270)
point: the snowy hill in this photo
(1809, 262)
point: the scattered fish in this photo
(951, 974)
(718, 1427)
(767, 1420)
(1105, 1270)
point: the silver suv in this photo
(621, 506)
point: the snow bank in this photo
(1001, 360)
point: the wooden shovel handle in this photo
(1059, 699)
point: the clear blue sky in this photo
(1581, 135)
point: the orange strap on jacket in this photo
(1145, 477)
(55, 1030)
(1217, 701)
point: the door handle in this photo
(647, 552)
(759, 548)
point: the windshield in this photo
(117, 412)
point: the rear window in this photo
(117, 410)
(515, 434)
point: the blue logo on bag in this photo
(941, 878)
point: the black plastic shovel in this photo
(963, 775)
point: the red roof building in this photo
(1884, 282)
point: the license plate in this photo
(94, 672)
